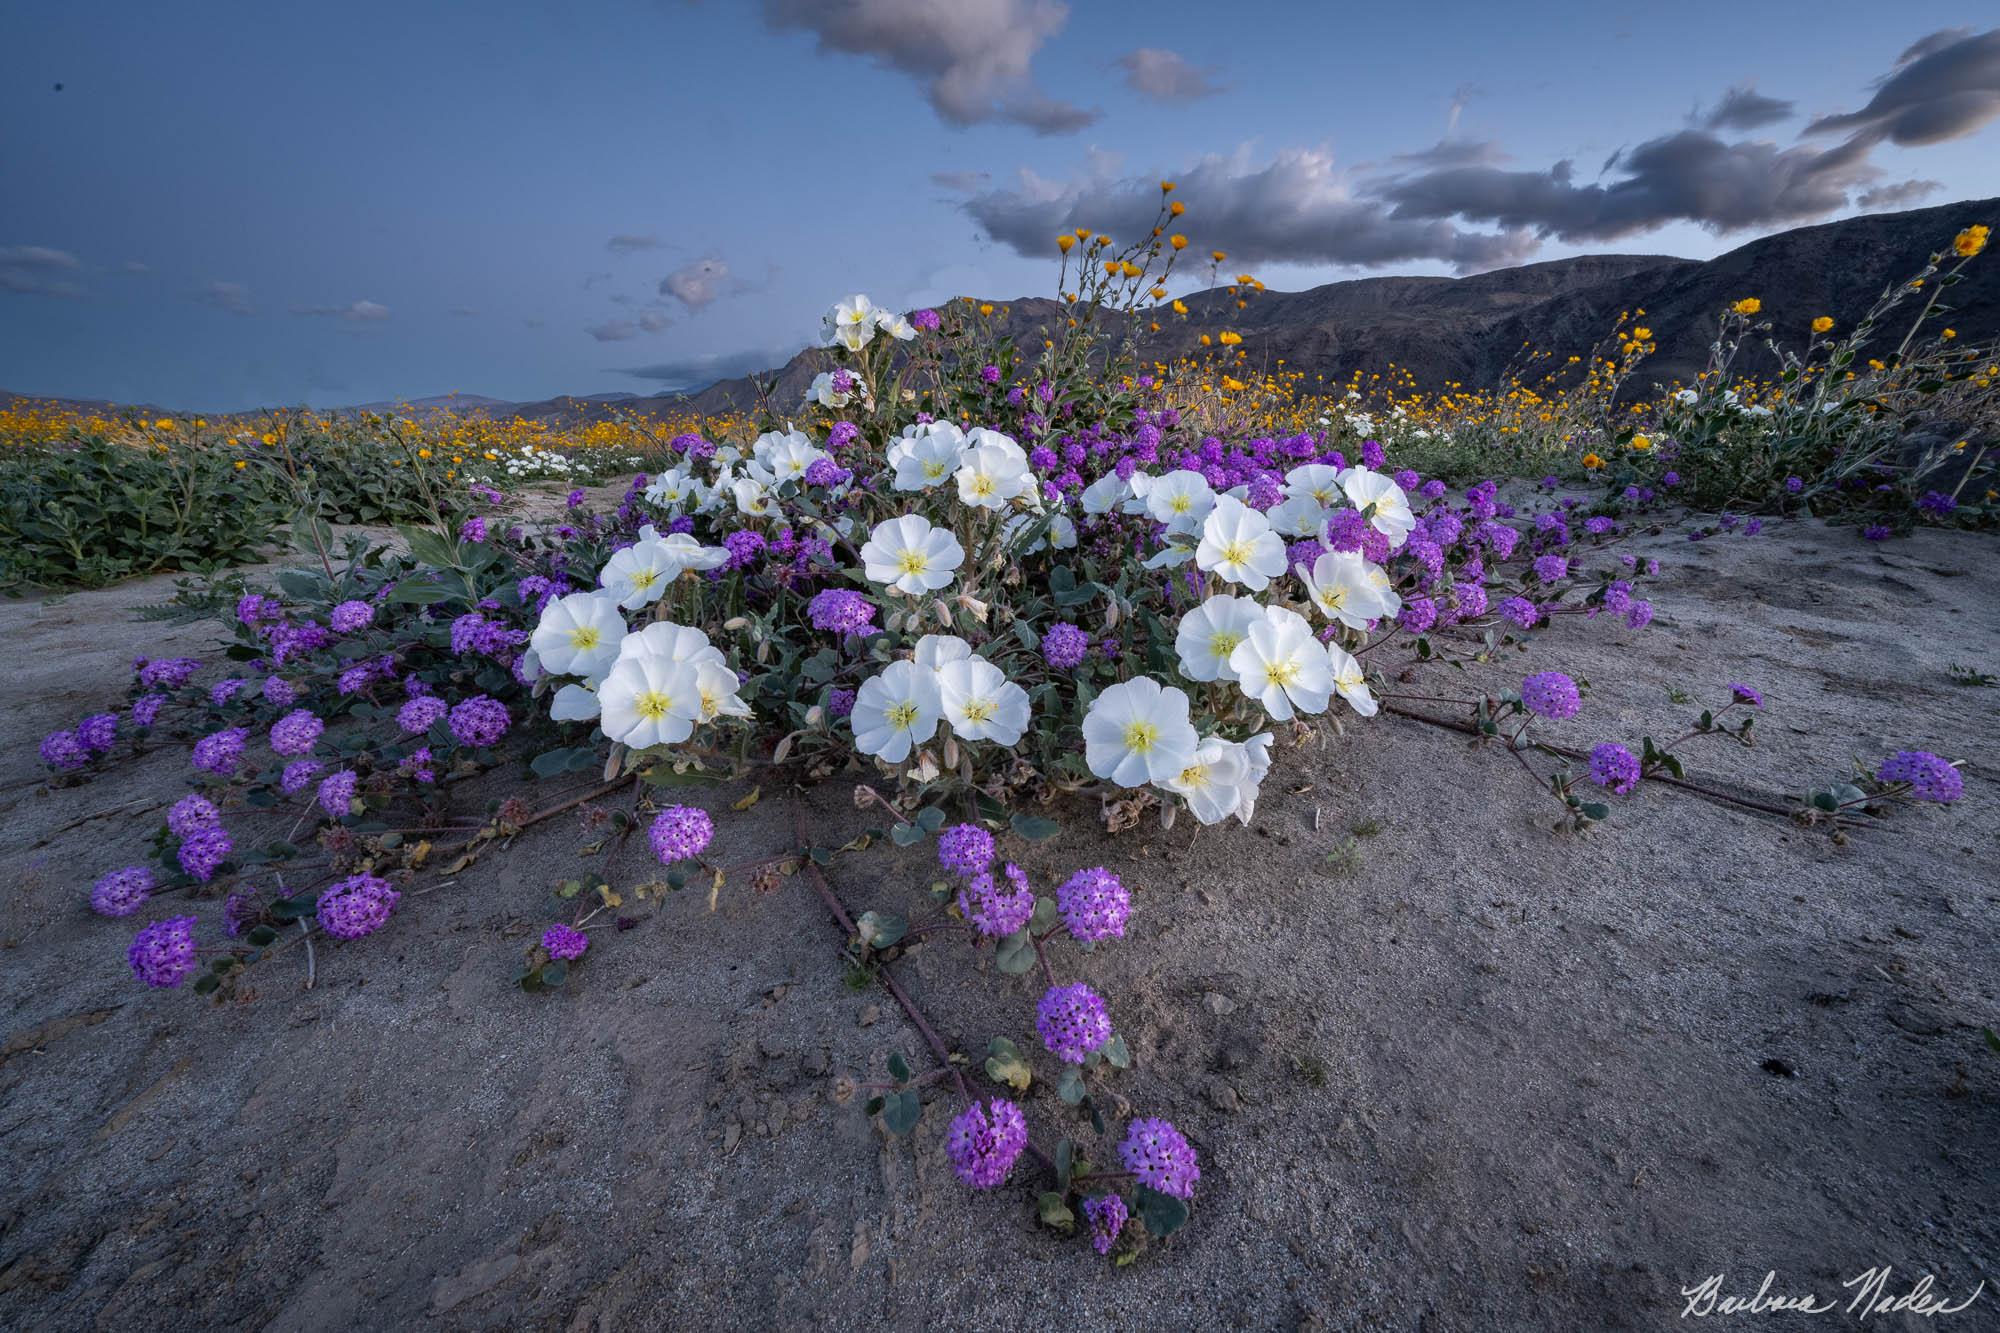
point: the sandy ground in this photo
(1464, 1074)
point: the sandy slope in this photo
(1491, 1078)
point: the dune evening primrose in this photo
(897, 710)
(1138, 732)
(1282, 666)
(911, 556)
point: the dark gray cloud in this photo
(627, 244)
(1453, 153)
(623, 330)
(974, 57)
(700, 371)
(697, 284)
(1294, 208)
(231, 296)
(1167, 76)
(1899, 195)
(38, 270)
(961, 182)
(1744, 108)
(1943, 87)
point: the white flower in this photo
(927, 458)
(1181, 500)
(910, 555)
(896, 710)
(992, 470)
(980, 703)
(1315, 481)
(574, 703)
(1237, 544)
(1062, 532)
(851, 324)
(895, 325)
(1282, 666)
(668, 642)
(1209, 633)
(788, 455)
(1138, 732)
(715, 688)
(687, 553)
(1257, 757)
(674, 490)
(637, 575)
(752, 497)
(1686, 397)
(934, 650)
(1382, 501)
(648, 700)
(826, 392)
(1212, 782)
(1342, 586)
(578, 635)
(1350, 680)
(1106, 494)
(1300, 516)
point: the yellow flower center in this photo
(1195, 775)
(902, 716)
(1236, 553)
(1223, 642)
(979, 710)
(1140, 737)
(584, 637)
(935, 469)
(1180, 504)
(642, 579)
(912, 562)
(982, 485)
(1282, 673)
(653, 705)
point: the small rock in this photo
(732, 1134)
(1223, 1097)
(869, 1014)
(816, 1062)
(1219, 1004)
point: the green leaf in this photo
(1034, 828)
(879, 930)
(261, 936)
(1596, 810)
(206, 983)
(555, 972)
(1116, 1053)
(1054, 1212)
(1015, 954)
(551, 763)
(901, 1111)
(1045, 917)
(1070, 1087)
(1992, 1040)
(907, 835)
(1065, 1164)
(1163, 1214)
(1005, 1064)
(899, 1068)
(931, 818)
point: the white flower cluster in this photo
(854, 322)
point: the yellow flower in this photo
(1970, 241)
(1218, 255)
(423, 453)
(240, 465)
(1205, 340)
(1749, 305)
(269, 438)
(164, 423)
(1178, 241)
(1592, 461)
(1228, 339)
(985, 307)
(1131, 270)
(1082, 234)
(1180, 306)
(1176, 208)
(1166, 187)
(1642, 442)
(1641, 335)
(1951, 333)
(1064, 242)
(1824, 324)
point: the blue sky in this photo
(229, 205)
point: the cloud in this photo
(1899, 195)
(1943, 87)
(627, 244)
(614, 331)
(697, 284)
(354, 312)
(961, 182)
(38, 270)
(1166, 76)
(1294, 208)
(1451, 152)
(231, 296)
(701, 371)
(462, 311)
(1744, 108)
(134, 267)
(974, 57)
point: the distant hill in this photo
(1464, 330)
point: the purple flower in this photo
(744, 546)
(1614, 766)
(167, 673)
(681, 833)
(1094, 905)
(1065, 646)
(1931, 777)
(839, 702)
(1550, 568)
(574, 498)
(984, 1140)
(1598, 526)
(565, 942)
(223, 691)
(98, 732)
(1551, 694)
(1876, 532)
(357, 906)
(62, 750)
(190, 813)
(297, 774)
(1471, 601)
(1640, 615)
(1418, 615)
(925, 319)
(240, 911)
(826, 472)
(351, 616)
(474, 530)
(279, 692)
(420, 714)
(990, 373)
(1795, 484)
(122, 892)
(220, 752)
(418, 764)
(1072, 1022)
(1521, 611)
(203, 851)
(146, 709)
(1160, 1157)
(842, 611)
(1744, 694)
(254, 608)
(966, 850)
(480, 720)
(1107, 1216)
(336, 793)
(995, 910)
(1937, 504)
(162, 954)
(296, 733)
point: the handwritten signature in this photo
(1871, 1296)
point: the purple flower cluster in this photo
(480, 720)
(162, 954)
(351, 616)
(1094, 905)
(1072, 1022)
(336, 793)
(254, 609)
(839, 702)
(984, 1140)
(680, 833)
(190, 813)
(842, 611)
(420, 714)
(1551, 694)
(297, 774)
(167, 673)
(203, 851)
(564, 942)
(121, 892)
(1107, 1216)
(1614, 766)
(221, 752)
(1745, 694)
(966, 850)
(146, 709)
(357, 906)
(420, 765)
(296, 733)
(98, 732)
(1065, 646)
(1521, 612)
(279, 692)
(1160, 1157)
(62, 750)
(1931, 777)
(996, 909)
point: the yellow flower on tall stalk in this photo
(1064, 242)
(1593, 462)
(1642, 442)
(1970, 241)
(1824, 324)
(1749, 305)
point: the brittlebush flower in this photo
(1178, 241)
(1228, 339)
(1176, 208)
(1824, 324)
(1642, 442)
(1064, 242)
(1166, 187)
(1970, 241)
(1749, 305)
(1218, 255)
(1592, 461)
